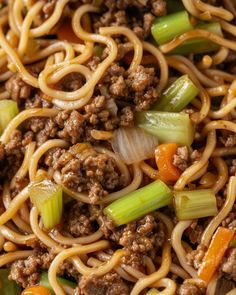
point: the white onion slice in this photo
(133, 144)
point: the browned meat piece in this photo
(229, 140)
(109, 284)
(196, 256)
(190, 289)
(181, 158)
(229, 265)
(17, 88)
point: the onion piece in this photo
(133, 144)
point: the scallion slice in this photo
(45, 282)
(8, 287)
(200, 45)
(167, 127)
(195, 204)
(140, 202)
(167, 27)
(47, 197)
(8, 110)
(177, 96)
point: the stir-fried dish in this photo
(117, 147)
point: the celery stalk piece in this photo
(177, 96)
(8, 110)
(174, 6)
(167, 127)
(45, 282)
(200, 45)
(166, 28)
(140, 202)
(8, 287)
(98, 50)
(195, 204)
(47, 197)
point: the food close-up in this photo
(117, 147)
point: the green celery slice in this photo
(8, 287)
(167, 127)
(177, 96)
(45, 282)
(140, 202)
(8, 110)
(195, 204)
(47, 197)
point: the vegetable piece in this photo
(45, 282)
(8, 287)
(36, 290)
(215, 253)
(177, 96)
(8, 110)
(98, 50)
(152, 292)
(195, 204)
(164, 154)
(47, 197)
(65, 32)
(167, 127)
(166, 28)
(133, 144)
(140, 202)
(200, 45)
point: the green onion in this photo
(195, 204)
(174, 6)
(8, 287)
(200, 45)
(166, 28)
(98, 50)
(167, 127)
(140, 202)
(8, 110)
(47, 197)
(45, 282)
(177, 96)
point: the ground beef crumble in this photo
(229, 265)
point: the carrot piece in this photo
(36, 290)
(65, 32)
(164, 154)
(216, 251)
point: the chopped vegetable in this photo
(140, 202)
(47, 197)
(164, 154)
(8, 110)
(195, 204)
(200, 45)
(174, 6)
(166, 28)
(177, 96)
(45, 282)
(98, 50)
(233, 244)
(215, 253)
(167, 127)
(133, 144)
(65, 32)
(8, 287)
(36, 290)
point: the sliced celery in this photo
(200, 45)
(167, 127)
(98, 50)
(166, 28)
(8, 110)
(45, 282)
(47, 197)
(8, 287)
(140, 202)
(195, 204)
(177, 96)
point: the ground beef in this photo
(17, 88)
(181, 158)
(228, 140)
(139, 236)
(229, 265)
(190, 289)
(196, 256)
(109, 284)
